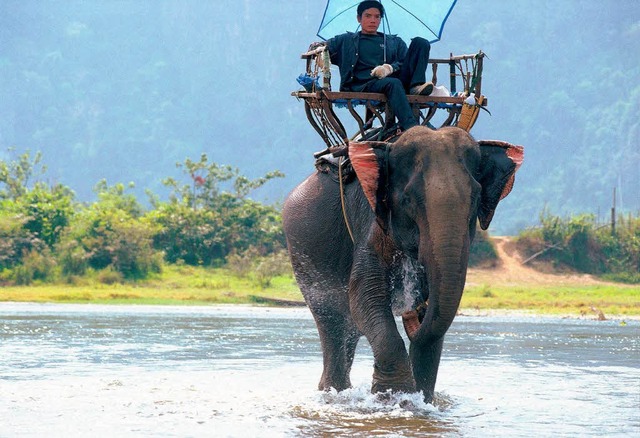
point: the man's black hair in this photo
(363, 6)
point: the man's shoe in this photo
(422, 89)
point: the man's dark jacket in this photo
(343, 50)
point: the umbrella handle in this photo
(384, 46)
(384, 39)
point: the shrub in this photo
(132, 253)
(110, 240)
(186, 235)
(623, 277)
(262, 269)
(207, 237)
(578, 243)
(109, 276)
(203, 224)
(271, 266)
(47, 211)
(486, 292)
(241, 265)
(109, 233)
(15, 240)
(36, 265)
(482, 252)
(73, 259)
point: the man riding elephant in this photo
(374, 62)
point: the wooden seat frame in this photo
(320, 101)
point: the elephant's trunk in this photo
(446, 273)
(444, 253)
(443, 249)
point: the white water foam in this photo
(404, 299)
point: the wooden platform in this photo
(465, 79)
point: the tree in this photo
(47, 211)
(203, 223)
(110, 233)
(31, 219)
(205, 188)
(15, 174)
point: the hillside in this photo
(124, 90)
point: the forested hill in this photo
(123, 90)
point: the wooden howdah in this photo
(376, 121)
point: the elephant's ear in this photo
(498, 166)
(371, 169)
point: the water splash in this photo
(408, 277)
(358, 412)
(360, 400)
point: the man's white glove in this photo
(382, 71)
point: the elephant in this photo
(394, 241)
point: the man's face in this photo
(370, 20)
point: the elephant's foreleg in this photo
(338, 339)
(371, 310)
(391, 368)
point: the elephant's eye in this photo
(410, 197)
(407, 201)
(408, 204)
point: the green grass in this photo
(175, 285)
(188, 285)
(576, 300)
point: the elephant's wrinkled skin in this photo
(414, 221)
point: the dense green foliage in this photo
(109, 233)
(15, 239)
(578, 242)
(202, 224)
(45, 234)
(482, 252)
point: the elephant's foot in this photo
(327, 384)
(387, 398)
(382, 388)
(428, 396)
(397, 381)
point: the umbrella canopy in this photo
(405, 18)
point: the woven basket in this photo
(469, 114)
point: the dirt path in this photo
(511, 271)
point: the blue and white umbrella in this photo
(405, 18)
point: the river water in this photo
(88, 370)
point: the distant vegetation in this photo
(47, 236)
(579, 243)
(101, 86)
(483, 253)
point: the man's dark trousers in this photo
(397, 85)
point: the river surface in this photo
(93, 371)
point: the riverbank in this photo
(487, 292)
(508, 287)
(514, 286)
(176, 285)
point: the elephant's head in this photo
(427, 190)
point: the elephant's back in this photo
(317, 238)
(312, 205)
